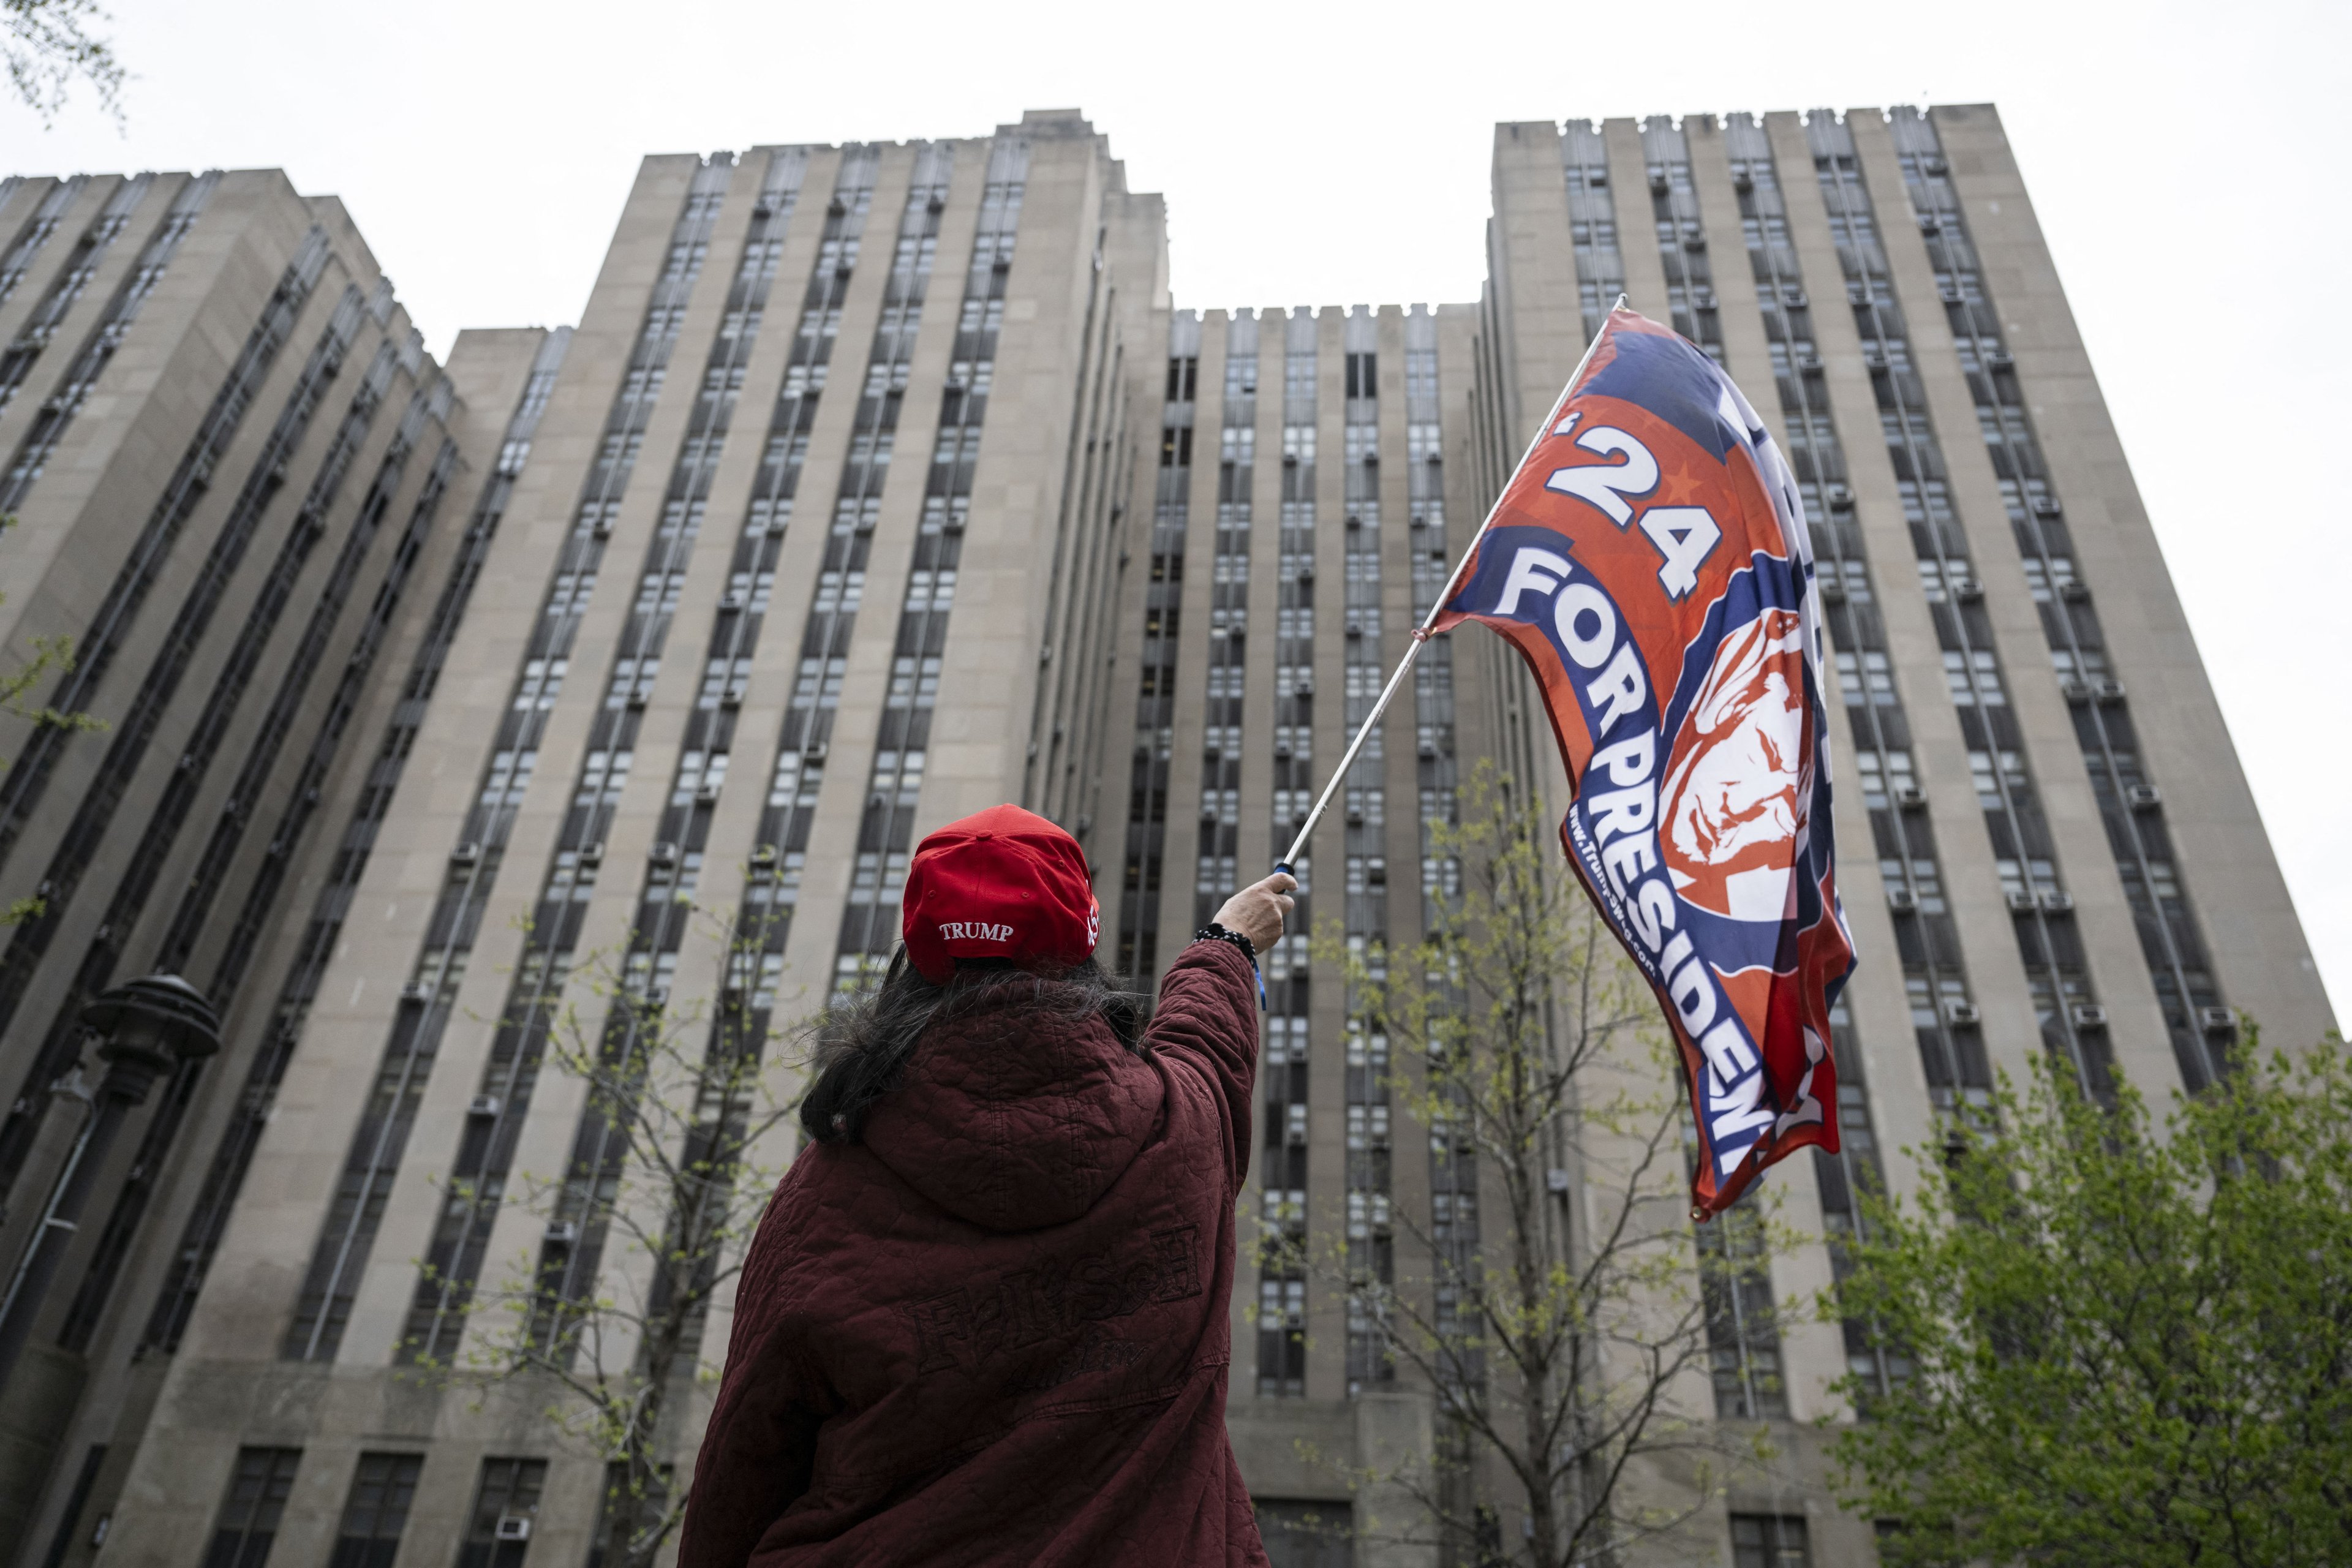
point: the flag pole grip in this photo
(1420, 633)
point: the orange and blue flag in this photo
(1649, 560)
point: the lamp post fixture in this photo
(150, 1026)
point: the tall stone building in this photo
(226, 458)
(1141, 569)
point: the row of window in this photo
(870, 923)
(2129, 804)
(26, 782)
(388, 1119)
(225, 1175)
(2047, 941)
(192, 917)
(40, 325)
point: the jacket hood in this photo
(1014, 1117)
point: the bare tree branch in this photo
(46, 45)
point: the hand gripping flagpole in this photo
(1420, 633)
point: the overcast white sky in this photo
(2187, 160)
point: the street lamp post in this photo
(150, 1026)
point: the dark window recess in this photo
(506, 1507)
(1769, 1541)
(69, 1523)
(257, 1496)
(1363, 375)
(1306, 1534)
(377, 1510)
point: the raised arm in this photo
(1207, 1016)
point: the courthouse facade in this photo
(882, 482)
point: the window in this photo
(249, 1515)
(377, 1509)
(1767, 1540)
(1306, 1534)
(505, 1508)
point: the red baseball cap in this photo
(1001, 883)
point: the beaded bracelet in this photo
(1215, 933)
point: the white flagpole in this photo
(1420, 633)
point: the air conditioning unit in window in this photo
(1355, 817)
(2020, 900)
(2057, 903)
(2074, 688)
(1999, 359)
(1934, 165)
(663, 854)
(1791, 296)
(1928, 223)
(1694, 242)
(2047, 506)
(1959, 1014)
(1428, 748)
(1874, 356)
(2218, 1020)
(707, 795)
(1910, 797)
(814, 752)
(731, 698)
(2072, 591)
(1704, 299)
(562, 1233)
(634, 701)
(1902, 900)
(514, 1530)
(730, 602)
(2143, 798)
(1355, 627)
(1839, 497)
(1967, 590)
(416, 991)
(483, 1105)
(464, 854)
(763, 858)
(2111, 691)
(1282, 750)
(1833, 591)
(2088, 1015)
(593, 853)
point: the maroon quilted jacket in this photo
(994, 1332)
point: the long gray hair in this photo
(861, 1045)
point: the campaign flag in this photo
(1648, 561)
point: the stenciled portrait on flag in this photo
(1648, 561)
